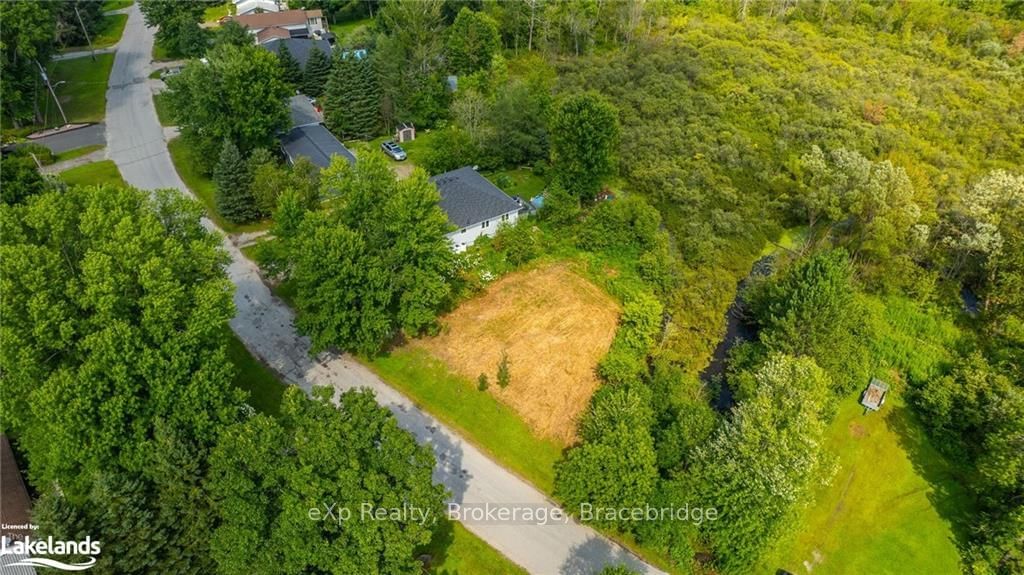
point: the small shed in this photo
(405, 132)
(873, 397)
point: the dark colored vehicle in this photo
(394, 150)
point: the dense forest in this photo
(845, 179)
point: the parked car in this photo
(394, 150)
(168, 72)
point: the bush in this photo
(481, 382)
(41, 152)
(520, 243)
(560, 207)
(627, 222)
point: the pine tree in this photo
(234, 196)
(353, 98)
(291, 72)
(318, 69)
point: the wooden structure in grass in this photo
(873, 397)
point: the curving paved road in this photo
(135, 142)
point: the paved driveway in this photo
(265, 325)
(88, 136)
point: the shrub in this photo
(627, 222)
(504, 378)
(481, 382)
(41, 152)
(520, 243)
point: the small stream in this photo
(737, 330)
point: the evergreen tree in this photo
(234, 192)
(353, 98)
(318, 69)
(291, 71)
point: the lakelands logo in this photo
(26, 551)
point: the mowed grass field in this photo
(94, 173)
(554, 327)
(890, 509)
(477, 416)
(83, 95)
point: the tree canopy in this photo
(281, 488)
(238, 94)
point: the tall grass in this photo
(919, 341)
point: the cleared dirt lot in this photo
(554, 325)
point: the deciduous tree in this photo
(472, 41)
(584, 133)
(762, 464)
(238, 94)
(274, 481)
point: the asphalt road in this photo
(265, 325)
(78, 138)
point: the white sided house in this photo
(474, 205)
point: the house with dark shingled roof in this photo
(474, 205)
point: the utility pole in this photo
(46, 80)
(86, 32)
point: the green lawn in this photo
(83, 93)
(109, 5)
(203, 187)
(891, 508)
(525, 183)
(456, 551)
(265, 390)
(416, 150)
(102, 172)
(477, 416)
(110, 34)
(163, 113)
(345, 29)
(76, 153)
(215, 13)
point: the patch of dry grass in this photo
(554, 326)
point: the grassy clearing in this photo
(455, 551)
(202, 186)
(416, 150)
(163, 112)
(552, 325)
(525, 183)
(265, 390)
(76, 153)
(891, 508)
(346, 29)
(83, 95)
(918, 342)
(477, 416)
(94, 173)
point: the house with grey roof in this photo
(298, 47)
(475, 206)
(308, 138)
(316, 143)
